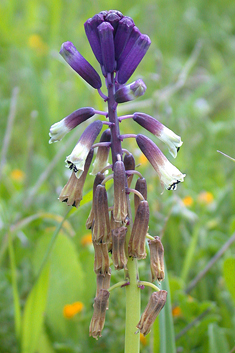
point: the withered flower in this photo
(141, 186)
(118, 248)
(120, 202)
(101, 232)
(103, 281)
(155, 305)
(72, 191)
(98, 180)
(102, 156)
(98, 318)
(136, 246)
(156, 259)
(101, 263)
(129, 163)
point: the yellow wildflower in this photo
(142, 159)
(86, 240)
(188, 201)
(17, 175)
(176, 311)
(205, 198)
(70, 310)
(143, 339)
(35, 42)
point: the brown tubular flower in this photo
(118, 250)
(129, 163)
(156, 259)
(140, 186)
(120, 202)
(72, 191)
(136, 246)
(101, 264)
(103, 281)
(101, 232)
(98, 318)
(155, 305)
(113, 223)
(98, 180)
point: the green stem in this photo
(119, 284)
(149, 284)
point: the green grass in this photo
(190, 74)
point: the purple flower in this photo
(130, 92)
(80, 64)
(105, 31)
(169, 175)
(60, 129)
(167, 136)
(122, 35)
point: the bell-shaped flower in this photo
(72, 191)
(103, 281)
(167, 136)
(98, 180)
(98, 318)
(76, 160)
(120, 202)
(60, 129)
(118, 248)
(101, 263)
(169, 175)
(102, 156)
(156, 259)
(141, 186)
(130, 92)
(152, 310)
(80, 64)
(129, 163)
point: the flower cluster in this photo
(119, 47)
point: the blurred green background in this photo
(190, 74)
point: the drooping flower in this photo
(60, 129)
(102, 156)
(156, 259)
(169, 175)
(167, 136)
(120, 203)
(130, 92)
(98, 318)
(76, 160)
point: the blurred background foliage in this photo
(190, 74)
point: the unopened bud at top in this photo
(120, 201)
(98, 318)
(152, 310)
(60, 129)
(133, 58)
(105, 31)
(72, 191)
(93, 36)
(122, 35)
(130, 92)
(80, 64)
(167, 136)
(169, 175)
(136, 246)
(156, 259)
(76, 160)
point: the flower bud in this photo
(169, 175)
(60, 129)
(133, 58)
(105, 31)
(103, 281)
(136, 246)
(101, 263)
(93, 35)
(98, 180)
(156, 259)
(76, 160)
(134, 35)
(80, 64)
(102, 156)
(101, 230)
(155, 305)
(98, 318)
(113, 17)
(72, 191)
(120, 201)
(130, 92)
(140, 186)
(129, 163)
(122, 35)
(118, 248)
(167, 136)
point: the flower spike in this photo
(80, 64)
(169, 175)
(76, 160)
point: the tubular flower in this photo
(60, 129)
(162, 132)
(119, 47)
(152, 310)
(169, 175)
(76, 160)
